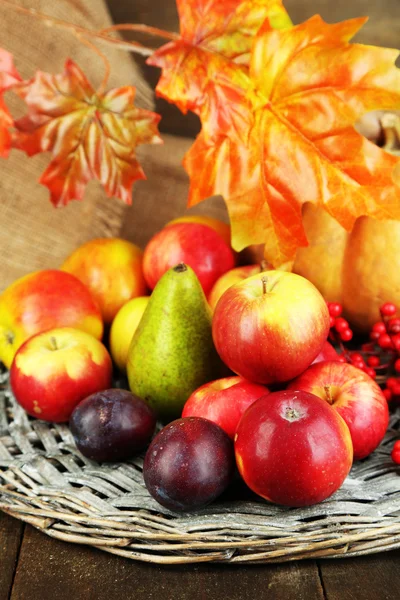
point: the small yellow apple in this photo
(123, 327)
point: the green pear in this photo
(172, 352)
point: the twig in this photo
(102, 87)
(82, 32)
(153, 31)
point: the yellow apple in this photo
(123, 327)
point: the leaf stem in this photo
(107, 67)
(153, 31)
(82, 32)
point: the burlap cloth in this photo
(34, 235)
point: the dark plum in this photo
(188, 464)
(112, 425)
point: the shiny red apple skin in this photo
(54, 370)
(194, 244)
(293, 449)
(270, 327)
(356, 397)
(328, 353)
(224, 401)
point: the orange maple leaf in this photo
(286, 133)
(214, 35)
(8, 78)
(90, 136)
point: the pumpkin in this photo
(361, 269)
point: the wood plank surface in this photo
(10, 541)
(374, 577)
(52, 570)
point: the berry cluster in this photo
(379, 358)
(341, 332)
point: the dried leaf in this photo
(89, 136)
(282, 132)
(8, 77)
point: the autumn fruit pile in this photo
(235, 361)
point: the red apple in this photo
(229, 279)
(223, 401)
(328, 353)
(194, 244)
(270, 327)
(44, 300)
(53, 371)
(355, 396)
(223, 229)
(293, 449)
(111, 268)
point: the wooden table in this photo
(36, 567)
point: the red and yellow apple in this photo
(111, 268)
(194, 244)
(223, 401)
(54, 370)
(293, 449)
(270, 327)
(123, 328)
(229, 279)
(44, 300)
(328, 353)
(220, 227)
(356, 397)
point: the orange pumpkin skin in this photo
(361, 269)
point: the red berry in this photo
(384, 341)
(370, 372)
(335, 309)
(391, 383)
(396, 453)
(388, 394)
(396, 389)
(341, 324)
(342, 359)
(394, 325)
(332, 321)
(373, 361)
(346, 335)
(396, 342)
(397, 365)
(374, 336)
(388, 309)
(379, 327)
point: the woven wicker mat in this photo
(46, 482)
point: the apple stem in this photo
(10, 337)
(264, 284)
(53, 343)
(328, 393)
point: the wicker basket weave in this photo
(46, 482)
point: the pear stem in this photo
(328, 393)
(264, 284)
(181, 268)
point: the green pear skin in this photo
(172, 352)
